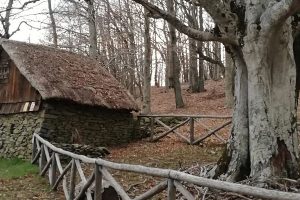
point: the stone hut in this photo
(70, 98)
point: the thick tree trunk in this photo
(235, 160)
(264, 140)
(229, 81)
(272, 104)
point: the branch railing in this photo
(48, 157)
(188, 119)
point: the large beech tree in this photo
(259, 35)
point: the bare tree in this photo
(53, 24)
(173, 60)
(93, 50)
(147, 67)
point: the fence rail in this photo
(48, 157)
(188, 119)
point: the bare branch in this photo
(19, 26)
(211, 60)
(21, 7)
(181, 27)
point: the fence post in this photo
(43, 159)
(34, 148)
(98, 183)
(72, 180)
(151, 128)
(53, 170)
(171, 190)
(192, 136)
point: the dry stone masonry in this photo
(66, 123)
(16, 133)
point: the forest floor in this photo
(169, 152)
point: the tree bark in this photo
(92, 29)
(235, 160)
(174, 60)
(132, 48)
(229, 81)
(200, 49)
(272, 104)
(264, 140)
(147, 67)
(193, 67)
(6, 20)
(53, 24)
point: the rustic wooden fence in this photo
(187, 119)
(49, 159)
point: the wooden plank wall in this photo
(16, 93)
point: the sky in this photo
(34, 14)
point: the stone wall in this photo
(16, 132)
(65, 122)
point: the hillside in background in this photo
(209, 102)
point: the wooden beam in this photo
(46, 167)
(53, 170)
(36, 156)
(151, 128)
(188, 116)
(34, 151)
(170, 130)
(58, 163)
(211, 132)
(171, 190)
(79, 170)
(115, 184)
(85, 187)
(72, 180)
(192, 130)
(153, 191)
(46, 152)
(98, 183)
(62, 175)
(183, 191)
(43, 159)
(61, 171)
(208, 129)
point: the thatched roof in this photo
(58, 74)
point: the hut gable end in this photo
(4, 66)
(16, 93)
